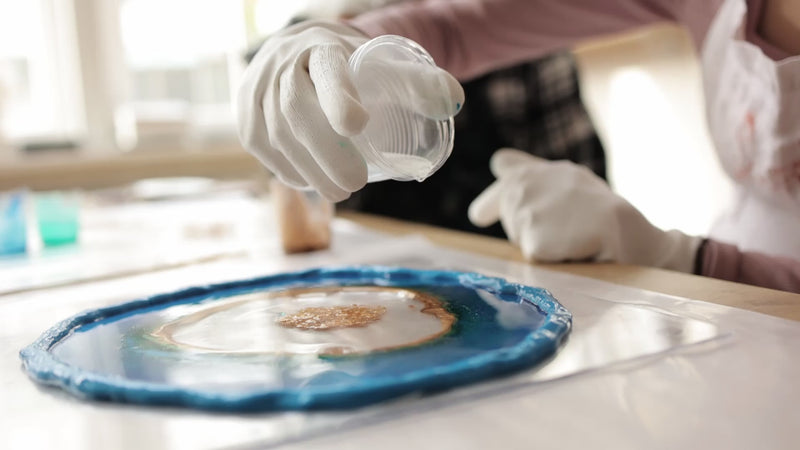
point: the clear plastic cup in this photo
(407, 137)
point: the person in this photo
(534, 106)
(557, 211)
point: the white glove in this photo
(561, 211)
(296, 102)
(298, 106)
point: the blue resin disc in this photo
(111, 353)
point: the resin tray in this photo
(321, 338)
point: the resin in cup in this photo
(411, 103)
(416, 166)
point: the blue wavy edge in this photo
(43, 367)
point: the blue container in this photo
(13, 230)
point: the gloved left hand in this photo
(560, 211)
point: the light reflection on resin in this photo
(232, 344)
(272, 322)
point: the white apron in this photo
(753, 107)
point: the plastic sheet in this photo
(640, 370)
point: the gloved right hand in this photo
(297, 105)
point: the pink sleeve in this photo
(471, 37)
(726, 262)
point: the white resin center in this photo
(249, 324)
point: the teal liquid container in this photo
(57, 214)
(409, 135)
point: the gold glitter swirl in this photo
(321, 319)
(329, 317)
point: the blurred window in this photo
(182, 57)
(125, 74)
(39, 88)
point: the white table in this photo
(641, 369)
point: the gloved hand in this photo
(298, 106)
(560, 211)
(297, 103)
